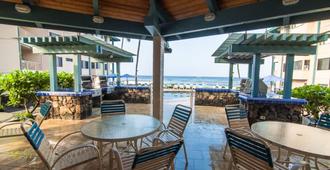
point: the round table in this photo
(120, 128)
(5, 117)
(307, 140)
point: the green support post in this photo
(77, 73)
(255, 75)
(118, 73)
(288, 76)
(103, 68)
(250, 71)
(53, 73)
(230, 82)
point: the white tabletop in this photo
(5, 116)
(307, 140)
(120, 128)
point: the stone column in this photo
(118, 73)
(53, 72)
(158, 76)
(77, 73)
(288, 76)
(255, 75)
(231, 72)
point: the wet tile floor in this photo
(204, 138)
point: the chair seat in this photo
(165, 137)
(73, 158)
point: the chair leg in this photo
(224, 152)
(185, 153)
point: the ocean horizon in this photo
(187, 80)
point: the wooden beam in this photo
(156, 10)
(96, 7)
(69, 21)
(77, 73)
(53, 72)
(287, 89)
(273, 49)
(74, 49)
(231, 75)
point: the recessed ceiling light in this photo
(22, 8)
(209, 17)
(98, 19)
(289, 2)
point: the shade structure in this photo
(126, 76)
(80, 44)
(272, 78)
(240, 47)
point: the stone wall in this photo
(277, 112)
(130, 94)
(69, 107)
(215, 97)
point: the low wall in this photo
(261, 109)
(68, 105)
(130, 94)
(215, 97)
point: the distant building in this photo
(313, 69)
(16, 56)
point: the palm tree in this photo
(137, 63)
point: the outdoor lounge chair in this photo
(151, 158)
(175, 128)
(10, 129)
(249, 152)
(52, 156)
(113, 107)
(324, 121)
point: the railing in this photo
(30, 65)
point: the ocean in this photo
(187, 80)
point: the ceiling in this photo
(173, 19)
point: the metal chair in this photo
(151, 158)
(113, 107)
(175, 128)
(324, 121)
(249, 152)
(11, 129)
(51, 156)
(236, 118)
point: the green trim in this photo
(53, 72)
(287, 89)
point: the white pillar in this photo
(158, 77)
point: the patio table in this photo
(307, 140)
(5, 117)
(119, 128)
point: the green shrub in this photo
(22, 85)
(65, 80)
(2, 107)
(318, 98)
(23, 116)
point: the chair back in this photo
(237, 116)
(45, 109)
(38, 141)
(113, 107)
(324, 121)
(179, 119)
(248, 152)
(157, 157)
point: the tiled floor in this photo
(204, 138)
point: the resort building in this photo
(19, 56)
(311, 69)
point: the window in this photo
(105, 66)
(93, 65)
(86, 65)
(52, 34)
(97, 65)
(306, 64)
(297, 65)
(59, 62)
(68, 59)
(323, 64)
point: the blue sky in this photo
(191, 57)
